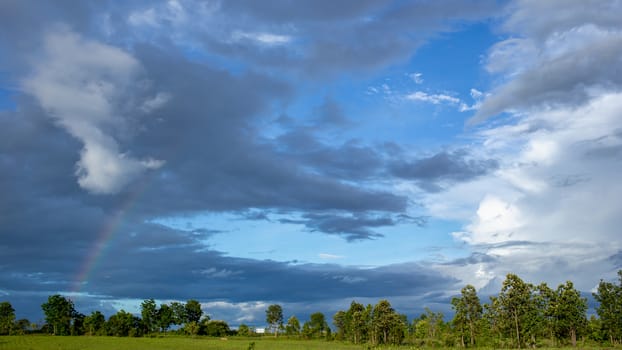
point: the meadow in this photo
(45, 342)
(48, 342)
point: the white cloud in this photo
(262, 38)
(329, 256)
(416, 77)
(432, 98)
(551, 210)
(82, 84)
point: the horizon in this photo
(306, 154)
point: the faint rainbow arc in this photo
(104, 237)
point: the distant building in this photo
(260, 330)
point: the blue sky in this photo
(305, 153)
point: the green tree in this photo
(317, 325)
(59, 312)
(244, 330)
(517, 308)
(274, 318)
(94, 323)
(123, 324)
(387, 325)
(193, 311)
(165, 317)
(179, 313)
(609, 297)
(217, 328)
(21, 326)
(468, 313)
(292, 328)
(149, 314)
(570, 312)
(340, 320)
(7, 317)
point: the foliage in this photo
(59, 312)
(7, 317)
(274, 317)
(149, 313)
(468, 315)
(94, 324)
(292, 328)
(609, 295)
(216, 328)
(193, 311)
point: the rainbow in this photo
(104, 239)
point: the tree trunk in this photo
(573, 337)
(472, 333)
(517, 332)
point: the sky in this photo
(306, 153)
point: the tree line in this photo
(521, 315)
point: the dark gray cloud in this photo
(452, 166)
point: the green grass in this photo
(42, 342)
(46, 342)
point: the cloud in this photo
(560, 61)
(329, 256)
(262, 38)
(82, 85)
(416, 77)
(431, 173)
(432, 98)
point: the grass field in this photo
(36, 342)
(44, 342)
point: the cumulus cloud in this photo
(82, 84)
(561, 61)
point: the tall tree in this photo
(274, 317)
(165, 317)
(179, 313)
(317, 324)
(94, 323)
(149, 313)
(193, 310)
(388, 327)
(468, 313)
(517, 306)
(7, 317)
(59, 312)
(293, 326)
(570, 312)
(609, 297)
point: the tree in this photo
(468, 313)
(21, 326)
(293, 326)
(317, 324)
(569, 312)
(609, 297)
(384, 322)
(149, 313)
(179, 313)
(340, 320)
(217, 328)
(94, 323)
(517, 307)
(244, 330)
(165, 317)
(123, 324)
(193, 311)
(7, 317)
(274, 318)
(59, 312)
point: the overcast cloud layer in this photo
(213, 150)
